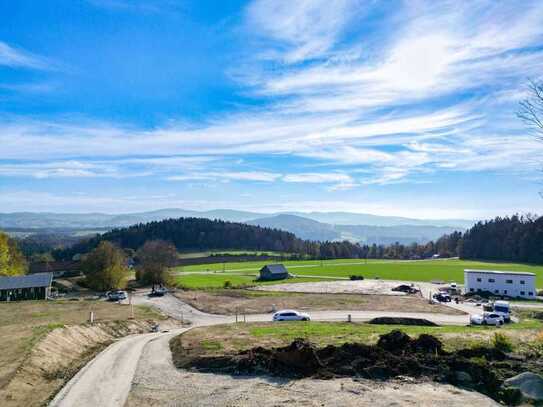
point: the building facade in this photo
(503, 283)
(30, 287)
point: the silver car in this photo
(290, 315)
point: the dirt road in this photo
(107, 379)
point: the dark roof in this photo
(28, 281)
(275, 268)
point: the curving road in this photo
(106, 380)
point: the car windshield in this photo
(501, 308)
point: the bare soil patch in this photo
(256, 302)
(482, 369)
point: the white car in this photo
(488, 318)
(290, 315)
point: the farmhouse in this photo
(508, 283)
(273, 272)
(30, 287)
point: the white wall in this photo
(512, 285)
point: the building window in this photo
(478, 290)
(531, 294)
(505, 291)
(509, 281)
(522, 293)
(522, 282)
(478, 280)
(491, 280)
(496, 291)
(471, 289)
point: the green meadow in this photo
(243, 273)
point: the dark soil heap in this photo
(396, 354)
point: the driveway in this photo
(107, 379)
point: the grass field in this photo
(208, 281)
(426, 270)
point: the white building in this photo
(509, 283)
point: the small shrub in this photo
(502, 342)
(227, 284)
(355, 277)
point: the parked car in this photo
(488, 318)
(290, 315)
(158, 292)
(116, 295)
(408, 289)
(442, 297)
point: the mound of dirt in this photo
(401, 321)
(395, 354)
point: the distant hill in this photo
(349, 218)
(44, 220)
(195, 234)
(302, 227)
(312, 230)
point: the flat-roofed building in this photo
(506, 283)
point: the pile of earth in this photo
(401, 321)
(396, 354)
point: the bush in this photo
(227, 284)
(502, 342)
(355, 277)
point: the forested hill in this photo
(515, 238)
(195, 234)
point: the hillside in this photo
(310, 229)
(196, 234)
(42, 220)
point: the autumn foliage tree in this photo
(105, 267)
(154, 259)
(12, 261)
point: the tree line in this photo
(516, 238)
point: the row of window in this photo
(491, 280)
(530, 293)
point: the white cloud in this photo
(305, 29)
(228, 176)
(18, 58)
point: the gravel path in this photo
(158, 383)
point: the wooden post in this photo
(91, 317)
(349, 318)
(131, 305)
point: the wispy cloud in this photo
(19, 58)
(435, 92)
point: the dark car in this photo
(158, 292)
(442, 297)
(116, 295)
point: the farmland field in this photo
(424, 270)
(205, 281)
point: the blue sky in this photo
(386, 107)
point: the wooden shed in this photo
(30, 287)
(273, 272)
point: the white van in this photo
(502, 308)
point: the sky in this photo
(388, 107)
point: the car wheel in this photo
(305, 319)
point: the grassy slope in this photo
(447, 270)
(23, 324)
